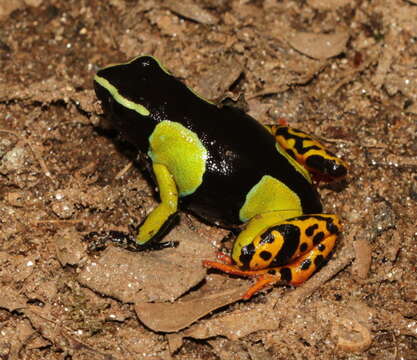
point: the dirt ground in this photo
(342, 70)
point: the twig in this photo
(55, 221)
(124, 170)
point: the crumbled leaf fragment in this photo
(69, 248)
(150, 275)
(10, 299)
(190, 10)
(319, 46)
(171, 317)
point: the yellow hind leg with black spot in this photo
(295, 273)
(288, 250)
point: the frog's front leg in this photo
(165, 210)
(310, 153)
(289, 250)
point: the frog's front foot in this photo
(98, 241)
(263, 278)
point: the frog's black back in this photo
(240, 150)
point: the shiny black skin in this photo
(240, 150)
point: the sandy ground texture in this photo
(344, 71)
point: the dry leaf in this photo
(173, 317)
(319, 46)
(351, 335)
(150, 276)
(69, 248)
(363, 258)
(11, 299)
(191, 10)
(328, 4)
(215, 82)
(235, 325)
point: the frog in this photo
(218, 162)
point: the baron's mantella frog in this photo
(227, 168)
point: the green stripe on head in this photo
(140, 109)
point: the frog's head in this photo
(127, 85)
(128, 94)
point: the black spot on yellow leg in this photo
(307, 264)
(265, 255)
(285, 273)
(310, 230)
(291, 251)
(304, 266)
(318, 238)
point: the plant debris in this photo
(343, 71)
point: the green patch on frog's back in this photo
(270, 194)
(182, 152)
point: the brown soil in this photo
(342, 70)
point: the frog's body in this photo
(224, 165)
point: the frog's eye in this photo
(108, 103)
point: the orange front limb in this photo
(233, 269)
(263, 278)
(262, 282)
(226, 259)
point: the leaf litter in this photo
(361, 97)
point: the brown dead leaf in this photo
(150, 276)
(11, 299)
(363, 258)
(319, 46)
(190, 10)
(328, 4)
(266, 316)
(69, 248)
(14, 337)
(215, 82)
(235, 325)
(351, 335)
(7, 7)
(52, 329)
(173, 317)
(16, 268)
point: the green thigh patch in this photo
(182, 152)
(270, 194)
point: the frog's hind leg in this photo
(288, 250)
(297, 272)
(309, 152)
